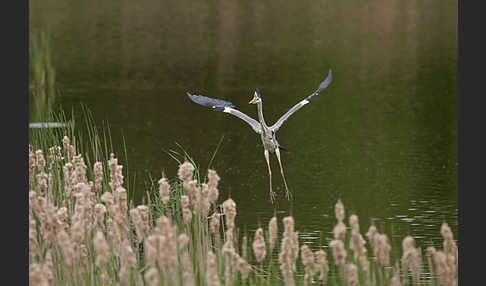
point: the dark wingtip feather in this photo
(218, 108)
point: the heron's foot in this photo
(272, 196)
(288, 194)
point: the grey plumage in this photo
(209, 102)
(266, 132)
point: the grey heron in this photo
(267, 133)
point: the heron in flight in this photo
(266, 132)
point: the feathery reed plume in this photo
(354, 222)
(357, 243)
(67, 247)
(42, 185)
(212, 274)
(339, 252)
(431, 252)
(99, 210)
(288, 251)
(68, 171)
(322, 264)
(40, 161)
(69, 149)
(213, 180)
(144, 216)
(116, 176)
(195, 194)
(185, 171)
(352, 271)
(214, 226)
(36, 275)
(339, 210)
(55, 156)
(83, 250)
(31, 168)
(164, 190)
(186, 211)
(340, 228)
(259, 245)
(229, 252)
(340, 231)
(187, 273)
(450, 247)
(33, 243)
(308, 260)
(411, 259)
(242, 266)
(229, 207)
(152, 276)
(128, 261)
(371, 234)
(440, 267)
(48, 267)
(382, 249)
(79, 169)
(272, 232)
(205, 205)
(98, 175)
(102, 249)
(137, 222)
(153, 244)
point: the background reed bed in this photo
(85, 230)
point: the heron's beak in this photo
(252, 101)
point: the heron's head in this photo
(256, 97)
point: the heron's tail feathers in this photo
(283, 149)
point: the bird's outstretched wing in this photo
(227, 107)
(308, 99)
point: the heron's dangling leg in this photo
(267, 157)
(288, 195)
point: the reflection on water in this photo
(382, 137)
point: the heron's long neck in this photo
(260, 113)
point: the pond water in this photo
(382, 137)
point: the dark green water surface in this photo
(382, 137)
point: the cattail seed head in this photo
(164, 190)
(308, 260)
(99, 210)
(382, 249)
(183, 240)
(186, 211)
(213, 180)
(185, 172)
(352, 274)
(339, 252)
(353, 222)
(152, 276)
(98, 175)
(339, 209)
(102, 249)
(340, 231)
(205, 204)
(411, 258)
(259, 245)
(215, 222)
(288, 251)
(322, 264)
(229, 207)
(195, 194)
(272, 232)
(212, 273)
